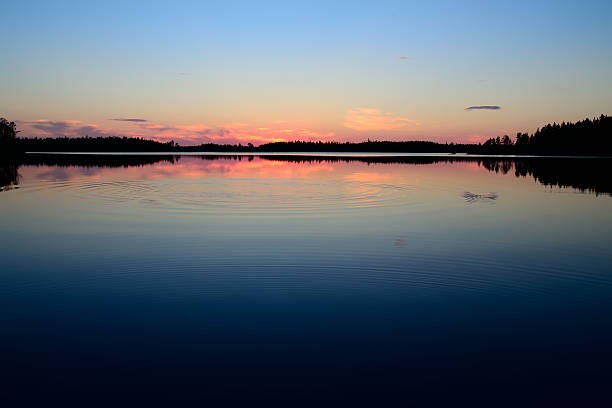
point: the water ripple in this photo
(245, 196)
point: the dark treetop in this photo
(590, 137)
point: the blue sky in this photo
(260, 71)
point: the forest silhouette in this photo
(8, 138)
(590, 137)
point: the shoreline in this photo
(319, 154)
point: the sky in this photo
(244, 71)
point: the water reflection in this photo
(306, 275)
(9, 175)
(582, 174)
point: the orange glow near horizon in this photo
(352, 125)
(368, 119)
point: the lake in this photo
(306, 279)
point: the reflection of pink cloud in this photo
(369, 177)
(187, 168)
(470, 165)
(367, 119)
(270, 169)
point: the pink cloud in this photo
(226, 133)
(368, 119)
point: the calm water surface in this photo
(305, 280)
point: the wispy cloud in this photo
(185, 134)
(367, 119)
(129, 120)
(483, 107)
(404, 58)
(60, 128)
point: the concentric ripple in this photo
(251, 196)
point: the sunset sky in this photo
(245, 71)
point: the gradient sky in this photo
(237, 71)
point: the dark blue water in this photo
(204, 280)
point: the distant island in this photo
(590, 137)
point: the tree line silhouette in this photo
(111, 144)
(592, 137)
(8, 137)
(9, 176)
(587, 137)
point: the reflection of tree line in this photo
(582, 174)
(579, 173)
(97, 160)
(9, 175)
